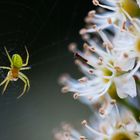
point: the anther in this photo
(92, 49)
(109, 20)
(113, 102)
(90, 98)
(91, 71)
(125, 55)
(94, 26)
(123, 26)
(83, 79)
(83, 138)
(118, 69)
(72, 47)
(65, 89)
(120, 125)
(91, 13)
(101, 59)
(84, 122)
(100, 62)
(83, 31)
(107, 45)
(101, 111)
(95, 2)
(85, 46)
(75, 96)
(77, 62)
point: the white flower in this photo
(115, 126)
(128, 44)
(119, 11)
(102, 71)
(67, 132)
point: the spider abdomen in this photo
(15, 72)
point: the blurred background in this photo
(46, 27)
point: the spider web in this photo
(27, 22)
(46, 27)
(24, 23)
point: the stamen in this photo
(75, 96)
(72, 47)
(106, 108)
(65, 89)
(100, 91)
(103, 92)
(125, 55)
(123, 26)
(83, 138)
(107, 43)
(84, 122)
(118, 69)
(83, 80)
(83, 31)
(129, 17)
(117, 110)
(96, 3)
(100, 62)
(67, 136)
(96, 29)
(102, 111)
(91, 13)
(91, 71)
(109, 20)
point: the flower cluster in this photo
(114, 126)
(121, 126)
(110, 66)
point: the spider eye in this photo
(17, 61)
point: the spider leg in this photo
(26, 78)
(6, 84)
(8, 55)
(3, 82)
(25, 86)
(3, 67)
(27, 59)
(25, 68)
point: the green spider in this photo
(14, 73)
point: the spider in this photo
(14, 73)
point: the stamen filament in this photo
(93, 130)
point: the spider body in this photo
(15, 69)
(14, 73)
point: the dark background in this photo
(46, 27)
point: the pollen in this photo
(112, 92)
(137, 45)
(106, 72)
(130, 7)
(121, 136)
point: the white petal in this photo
(126, 64)
(125, 86)
(120, 40)
(138, 2)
